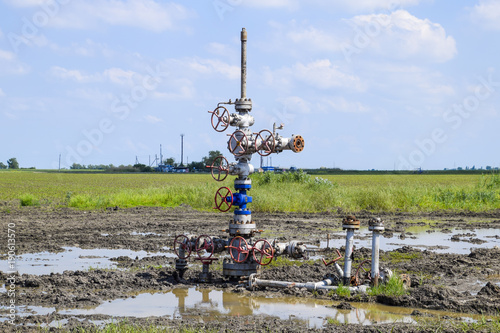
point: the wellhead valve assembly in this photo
(245, 253)
(242, 143)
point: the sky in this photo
(369, 84)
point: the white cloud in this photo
(6, 55)
(145, 14)
(223, 50)
(177, 89)
(487, 14)
(25, 3)
(340, 104)
(2, 94)
(295, 104)
(113, 75)
(119, 76)
(89, 48)
(314, 39)
(401, 35)
(210, 66)
(152, 119)
(324, 75)
(319, 74)
(9, 64)
(73, 74)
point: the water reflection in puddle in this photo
(216, 304)
(420, 237)
(73, 258)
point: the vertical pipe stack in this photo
(243, 63)
(376, 225)
(350, 223)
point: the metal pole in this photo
(375, 257)
(243, 63)
(376, 225)
(182, 148)
(347, 258)
(350, 223)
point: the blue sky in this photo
(369, 84)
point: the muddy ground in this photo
(458, 283)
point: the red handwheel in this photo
(220, 118)
(238, 143)
(221, 199)
(221, 165)
(267, 143)
(238, 249)
(182, 242)
(204, 243)
(263, 252)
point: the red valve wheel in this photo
(238, 249)
(182, 242)
(238, 143)
(220, 164)
(263, 253)
(364, 271)
(220, 118)
(204, 243)
(267, 143)
(221, 201)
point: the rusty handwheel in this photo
(220, 118)
(363, 273)
(182, 246)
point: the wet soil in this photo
(466, 283)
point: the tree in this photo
(2, 166)
(170, 161)
(12, 163)
(212, 154)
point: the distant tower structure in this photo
(182, 149)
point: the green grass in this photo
(341, 291)
(397, 257)
(393, 287)
(288, 192)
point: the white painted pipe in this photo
(349, 243)
(322, 285)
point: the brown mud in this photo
(465, 283)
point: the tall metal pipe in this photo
(243, 63)
(348, 254)
(376, 225)
(350, 223)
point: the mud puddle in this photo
(208, 304)
(73, 259)
(453, 240)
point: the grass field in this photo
(293, 192)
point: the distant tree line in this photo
(193, 166)
(12, 163)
